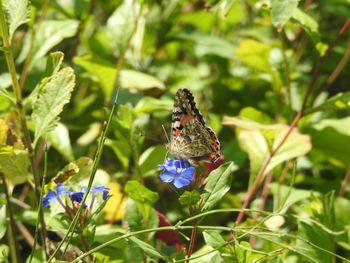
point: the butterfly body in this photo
(191, 139)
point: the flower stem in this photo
(11, 235)
(21, 115)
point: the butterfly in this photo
(191, 139)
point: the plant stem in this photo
(11, 232)
(105, 129)
(299, 115)
(26, 62)
(193, 235)
(21, 115)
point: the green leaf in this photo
(53, 63)
(307, 23)
(338, 102)
(333, 145)
(243, 255)
(148, 105)
(17, 14)
(51, 33)
(52, 96)
(219, 183)
(14, 164)
(258, 140)
(255, 54)
(143, 197)
(3, 225)
(133, 216)
(150, 158)
(206, 44)
(189, 198)
(315, 235)
(104, 70)
(148, 249)
(213, 239)
(131, 79)
(121, 23)
(4, 253)
(59, 138)
(281, 11)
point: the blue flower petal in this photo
(105, 195)
(60, 188)
(181, 182)
(49, 198)
(167, 177)
(188, 173)
(76, 196)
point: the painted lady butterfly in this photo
(191, 140)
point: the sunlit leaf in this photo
(337, 102)
(3, 224)
(59, 138)
(131, 79)
(121, 23)
(17, 14)
(259, 140)
(219, 183)
(282, 11)
(51, 99)
(51, 33)
(101, 68)
(308, 24)
(243, 253)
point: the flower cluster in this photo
(75, 196)
(179, 172)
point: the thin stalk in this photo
(193, 235)
(269, 238)
(21, 115)
(97, 158)
(26, 62)
(294, 123)
(40, 206)
(11, 232)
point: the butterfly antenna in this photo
(166, 135)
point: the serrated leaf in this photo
(50, 101)
(219, 183)
(51, 33)
(338, 102)
(281, 11)
(148, 249)
(17, 14)
(189, 198)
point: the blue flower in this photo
(98, 188)
(75, 196)
(180, 172)
(53, 196)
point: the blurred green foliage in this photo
(252, 66)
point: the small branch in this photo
(345, 183)
(294, 123)
(11, 232)
(21, 115)
(193, 236)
